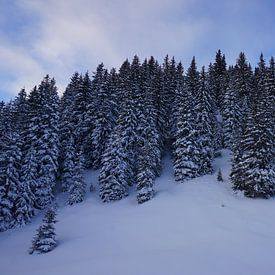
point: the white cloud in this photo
(77, 35)
(69, 35)
(88, 32)
(23, 69)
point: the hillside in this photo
(199, 227)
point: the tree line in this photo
(122, 121)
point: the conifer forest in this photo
(122, 121)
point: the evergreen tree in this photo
(186, 149)
(148, 139)
(218, 79)
(115, 172)
(10, 157)
(82, 114)
(168, 94)
(252, 170)
(104, 108)
(254, 174)
(157, 79)
(24, 203)
(205, 120)
(145, 174)
(68, 126)
(77, 186)
(45, 239)
(186, 146)
(48, 143)
(231, 112)
(42, 142)
(179, 96)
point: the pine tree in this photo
(252, 170)
(48, 143)
(205, 120)
(145, 174)
(217, 79)
(167, 95)
(104, 108)
(231, 112)
(114, 174)
(24, 205)
(148, 147)
(67, 133)
(24, 202)
(186, 145)
(117, 171)
(77, 187)
(41, 142)
(9, 165)
(186, 151)
(45, 239)
(157, 78)
(257, 178)
(179, 96)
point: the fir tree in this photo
(186, 149)
(45, 239)
(10, 159)
(114, 174)
(205, 120)
(41, 142)
(252, 170)
(168, 94)
(148, 147)
(47, 143)
(231, 112)
(118, 162)
(186, 146)
(68, 126)
(218, 79)
(145, 174)
(77, 187)
(104, 107)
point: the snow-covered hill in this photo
(199, 227)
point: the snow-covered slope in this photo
(199, 227)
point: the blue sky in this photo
(61, 36)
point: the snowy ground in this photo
(199, 227)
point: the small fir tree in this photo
(45, 239)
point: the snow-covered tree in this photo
(114, 174)
(252, 170)
(186, 148)
(205, 120)
(45, 239)
(218, 80)
(67, 132)
(41, 142)
(10, 157)
(77, 185)
(47, 143)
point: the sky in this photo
(59, 37)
